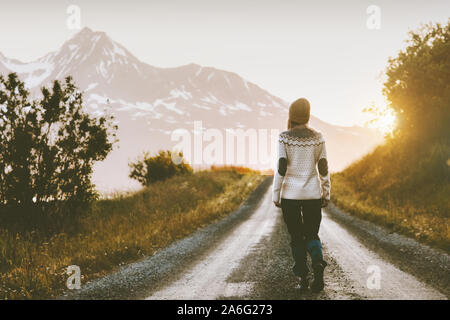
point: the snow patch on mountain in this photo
(228, 80)
(176, 93)
(91, 86)
(118, 50)
(246, 84)
(198, 71)
(242, 106)
(168, 105)
(209, 100)
(98, 98)
(201, 106)
(35, 72)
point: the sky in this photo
(322, 50)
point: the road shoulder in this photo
(430, 265)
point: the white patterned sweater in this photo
(302, 168)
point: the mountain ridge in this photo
(150, 102)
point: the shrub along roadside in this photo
(118, 231)
(165, 164)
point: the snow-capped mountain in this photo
(149, 103)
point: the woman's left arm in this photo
(324, 175)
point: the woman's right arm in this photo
(279, 173)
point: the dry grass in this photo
(401, 187)
(118, 231)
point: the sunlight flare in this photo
(381, 118)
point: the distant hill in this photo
(150, 102)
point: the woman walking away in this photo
(301, 187)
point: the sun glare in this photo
(386, 123)
(382, 119)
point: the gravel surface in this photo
(373, 276)
(207, 279)
(350, 266)
(269, 268)
(429, 265)
(246, 255)
(138, 280)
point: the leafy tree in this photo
(149, 169)
(48, 146)
(418, 83)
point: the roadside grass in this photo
(405, 189)
(117, 231)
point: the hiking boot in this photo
(303, 283)
(318, 283)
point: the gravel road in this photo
(246, 256)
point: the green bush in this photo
(149, 169)
(48, 147)
(418, 84)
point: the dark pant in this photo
(302, 218)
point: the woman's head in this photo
(299, 112)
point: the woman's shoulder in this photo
(303, 134)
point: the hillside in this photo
(407, 193)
